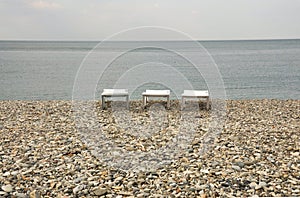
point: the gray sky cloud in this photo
(98, 19)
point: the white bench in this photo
(194, 94)
(114, 93)
(156, 93)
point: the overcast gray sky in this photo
(98, 19)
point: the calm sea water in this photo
(46, 70)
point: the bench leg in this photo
(168, 102)
(102, 102)
(127, 102)
(182, 103)
(144, 101)
(207, 104)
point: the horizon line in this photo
(204, 40)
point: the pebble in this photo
(240, 164)
(141, 195)
(203, 195)
(14, 173)
(77, 180)
(118, 179)
(206, 171)
(253, 185)
(34, 194)
(7, 188)
(261, 185)
(20, 195)
(78, 188)
(270, 159)
(237, 168)
(257, 155)
(125, 193)
(44, 155)
(3, 193)
(6, 174)
(100, 191)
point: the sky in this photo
(99, 19)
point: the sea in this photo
(244, 69)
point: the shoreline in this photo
(256, 154)
(160, 100)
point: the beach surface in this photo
(257, 154)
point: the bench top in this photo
(150, 92)
(195, 93)
(114, 92)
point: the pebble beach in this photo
(256, 155)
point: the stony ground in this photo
(257, 154)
